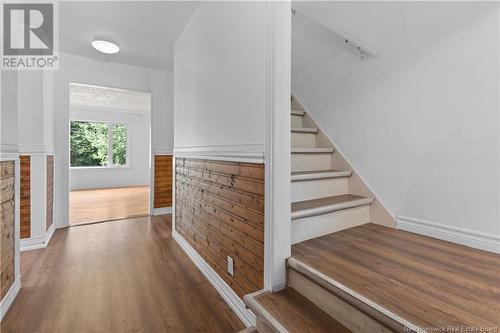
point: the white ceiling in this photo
(84, 96)
(145, 30)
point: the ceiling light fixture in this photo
(105, 46)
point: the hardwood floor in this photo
(130, 276)
(87, 206)
(429, 282)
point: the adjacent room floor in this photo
(96, 205)
(130, 276)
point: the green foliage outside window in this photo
(89, 142)
(119, 144)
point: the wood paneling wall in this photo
(49, 218)
(7, 191)
(163, 181)
(25, 196)
(219, 210)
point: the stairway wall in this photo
(419, 122)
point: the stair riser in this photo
(296, 121)
(303, 140)
(311, 162)
(320, 225)
(319, 188)
(343, 312)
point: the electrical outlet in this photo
(230, 266)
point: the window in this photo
(97, 144)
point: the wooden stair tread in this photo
(297, 314)
(312, 175)
(298, 113)
(301, 150)
(325, 205)
(404, 278)
(312, 130)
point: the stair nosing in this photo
(311, 130)
(256, 307)
(298, 113)
(317, 175)
(362, 303)
(330, 208)
(303, 150)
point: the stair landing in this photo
(413, 280)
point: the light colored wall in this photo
(219, 85)
(136, 173)
(85, 70)
(8, 111)
(420, 121)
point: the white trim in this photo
(10, 297)
(251, 153)
(36, 243)
(162, 211)
(462, 236)
(277, 231)
(9, 148)
(163, 151)
(238, 306)
(9, 156)
(32, 149)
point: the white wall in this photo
(420, 121)
(220, 73)
(85, 70)
(8, 111)
(136, 172)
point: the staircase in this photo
(321, 201)
(321, 205)
(346, 274)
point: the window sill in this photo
(111, 167)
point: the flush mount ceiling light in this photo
(105, 46)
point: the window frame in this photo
(110, 124)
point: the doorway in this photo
(110, 159)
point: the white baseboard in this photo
(36, 243)
(162, 211)
(462, 236)
(9, 297)
(236, 303)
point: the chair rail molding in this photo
(453, 234)
(246, 153)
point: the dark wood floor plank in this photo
(120, 276)
(421, 279)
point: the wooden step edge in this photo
(251, 329)
(300, 150)
(360, 302)
(311, 130)
(298, 113)
(317, 175)
(261, 312)
(330, 208)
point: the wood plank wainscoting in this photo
(49, 218)
(219, 210)
(25, 196)
(163, 181)
(7, 195)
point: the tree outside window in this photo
(97, 144)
